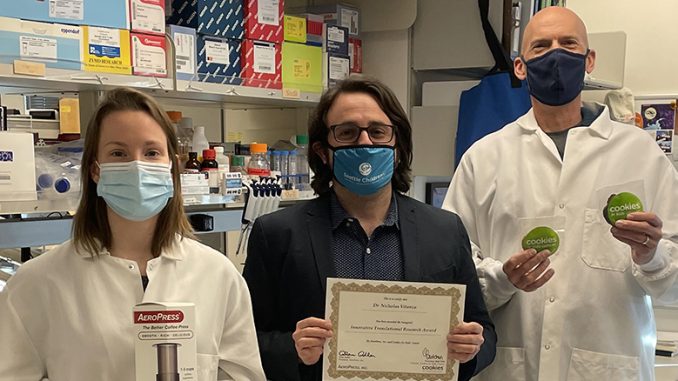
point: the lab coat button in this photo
(552, 299)
(547, 347)
(561, 206)
(131, 267)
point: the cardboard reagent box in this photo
(149, 55)
(219, 60)
(147, 16)
(264, 20)
(186, 52)
(110, 13)
(165, 347)
(262, 64)
(106, 50)
(56, 45)
(302, 67)
(220, 18)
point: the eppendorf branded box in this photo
(106, 13)
(165, 346)
(149, 55)
(56, 45)
(147, 16)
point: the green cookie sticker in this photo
(620, 205)
(541, 238)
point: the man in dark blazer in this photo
(361, 226)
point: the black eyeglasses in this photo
(378, 133)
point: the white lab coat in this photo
(68, 316)
(593, 319)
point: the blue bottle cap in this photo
(62, 185)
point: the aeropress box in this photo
(165, 348)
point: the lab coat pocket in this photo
(208, 366)
(599, 248)
(587, 365)
(509, 364)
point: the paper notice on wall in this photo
(67, 9)
(217, 52)
(268, 12)
(664, 139)
(302, 68)
(185, 53)
(38, 47)
(264, 59)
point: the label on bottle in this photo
(212, 175)
(259, 171)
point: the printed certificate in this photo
(391, 330)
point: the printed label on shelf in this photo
(268, 12)
(302, 68)
(104, 42)
(217, 52)
(338, 68)
(291, 93)
(66, 9)
(335, 34)
(38, 47)
(149, 56)
(185, 53)
(264, 59)
(349, 19)
(147, 16)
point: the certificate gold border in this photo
(336, 290)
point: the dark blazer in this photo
(290, 258)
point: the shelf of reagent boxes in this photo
(60, 80)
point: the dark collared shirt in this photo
(358, 256)
(589, 113)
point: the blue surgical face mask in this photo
(557, 77)
(135, 190)
(363, 169)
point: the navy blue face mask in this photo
(557, 77)
(363, 169)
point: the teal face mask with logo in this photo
(135, 190)
(363, 169)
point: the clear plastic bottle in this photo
(284, 155)
(258, 164)
(275, 160)
(224, 166)
(200, 142)
(292, 178)
(302, 163)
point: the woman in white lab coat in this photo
(67, 315)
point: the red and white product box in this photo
(262, 64)
(149, 55)
(355, 54)
(264, 20)
(147, 16)
(164, 341)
